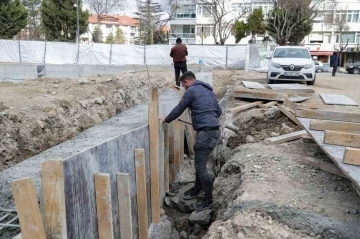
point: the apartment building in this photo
(109, 25)
(194, 23)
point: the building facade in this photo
(109, 24)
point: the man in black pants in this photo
(205, 113)
(179, 53)
(335, 62)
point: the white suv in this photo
(291, 63)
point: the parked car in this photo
(291, 63)
(354, 68)
(319, 67)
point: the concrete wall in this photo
(20, 72)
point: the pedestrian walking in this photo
(179, 53)
(205, 113)
(335, 62)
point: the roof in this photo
(114, 20)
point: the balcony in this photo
(182, 35)
(185, 15)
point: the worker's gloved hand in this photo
(162, 120)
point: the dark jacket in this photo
(200, 98)
(335, 60)
(179, 53)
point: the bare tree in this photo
(104, 7)
(289, 13)
(223, 16)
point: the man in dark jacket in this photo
(179, 53)
(335, 62)
(205, 113)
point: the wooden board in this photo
(328, 167)
(253, 85)
(53, 193)
(172, 172)
(103, 206)
(288, 114)
(142, 206)
(189, 133)
(27, 208)
(154, 161)
(155, 94)
(335, 153)
(244, 107)
(265, 94)
(124, 200)
(177, 144)
(352, 156)
(346, 127)
(268, 105)
(166, 158)
(328, 115)
(286, 137)
(298, 99)
(332, 99)
(290, 104)
(341, 138)
(295, 87)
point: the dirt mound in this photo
(39, 114)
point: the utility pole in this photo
(77, 20)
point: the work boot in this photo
(206, 204)
(191, 193)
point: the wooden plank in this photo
(265, 94)
(332, 99)
(328, 167)
(142, 206)
(252, 85)
(328, 115)
(286, 137)
(166, 158)
(177, 145)
(268, 105)
(298, 99)
(291, 87)
(290, 104)
(172, 172)
(27, 208)
(244, 107)
(154, 161)
(352, 156)
(341, 138)
(182, 128)
(124, 199)
(288, 114)
(103, 205)
(335, 153)
(346, 127)
(155, 94)
(53, 193)
(189, 134)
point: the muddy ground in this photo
(260, 190)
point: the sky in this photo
(129, 11)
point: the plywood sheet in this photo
(296, 87)
(253, 85)
(332, 99)
(335, 153)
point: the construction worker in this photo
(179, 53)
(205, 113)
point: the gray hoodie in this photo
(205, 110)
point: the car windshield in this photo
(291, 53)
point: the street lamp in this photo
(77, 20)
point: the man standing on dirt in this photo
(335, 62)
(205, 113)
(179, 53)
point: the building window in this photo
(108, 26)
(186, 11)
(327, 38)
(207, 30)
(188, 29)
(347, 36)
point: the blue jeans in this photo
(204, 144)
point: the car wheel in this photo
(319, 70)
(311, 82)
(356, 71)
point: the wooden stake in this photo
(103, 206)
(352, 156)
(286, 137)
(28, 209)
(141, 193)
(172, 173)
(177, 129)
(155, 94)
(154, 161)
(289, 115)
(189, 132)
(341, 138)
(53, 192)
(244, 107)
(124, 199)
(166, 158)
(347, 127)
